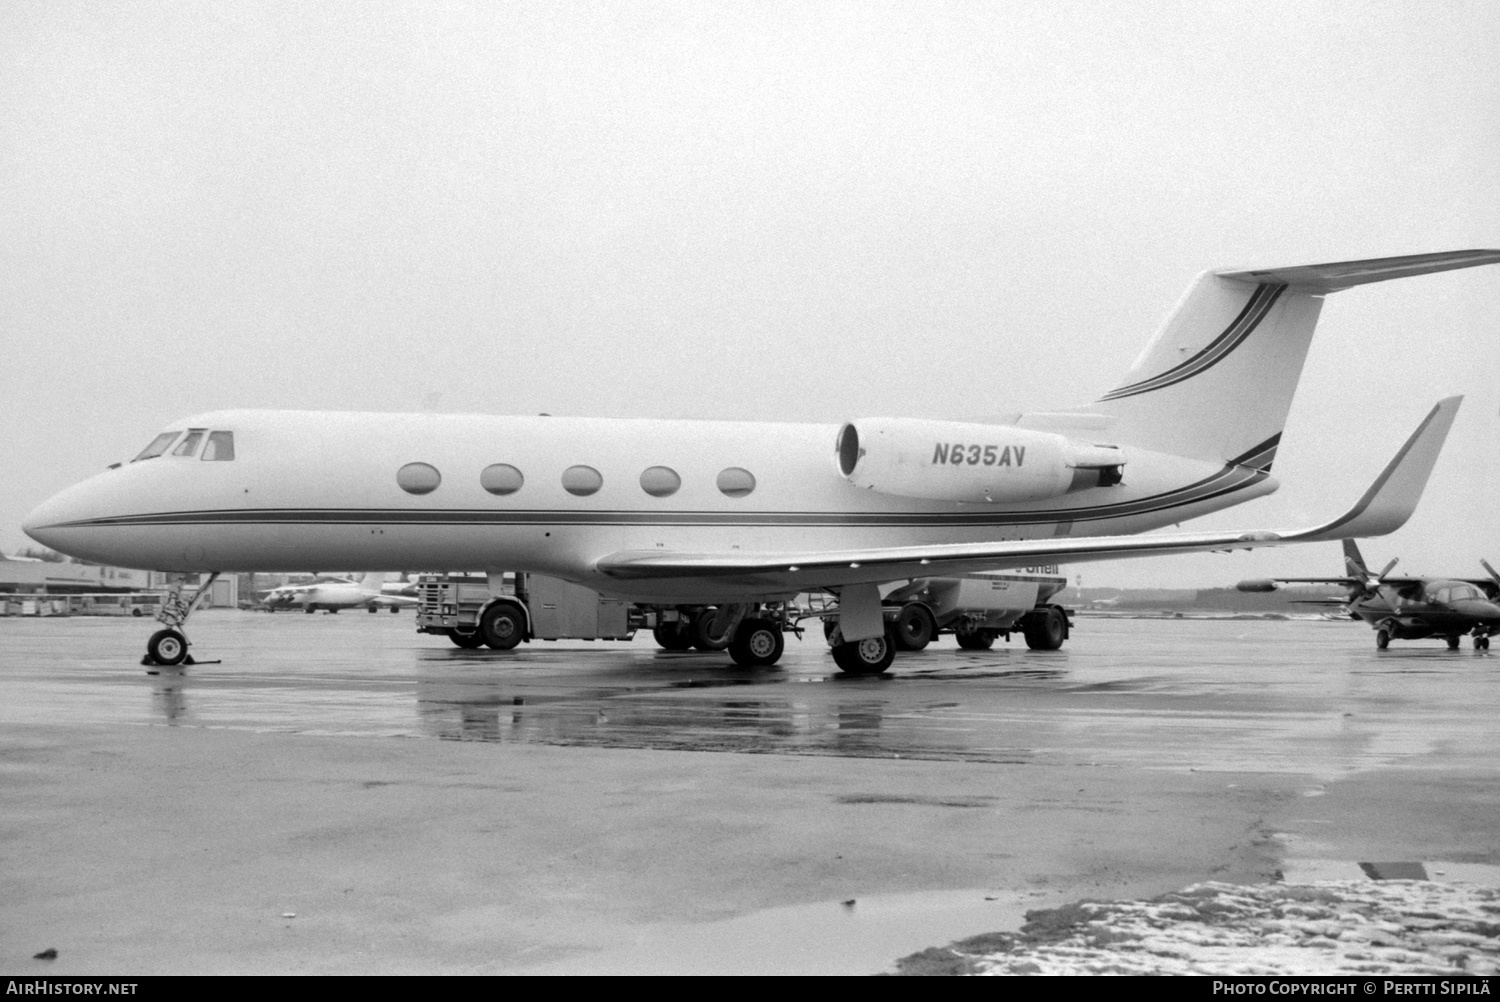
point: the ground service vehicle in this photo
(978, 608)
(502, 610)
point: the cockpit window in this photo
(189, 444)
(158, 445)
(1461, 592)
(220, 447)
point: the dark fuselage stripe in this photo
(1227, 481)
(1255, 310)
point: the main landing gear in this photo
(169, 647)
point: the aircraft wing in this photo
(1383, 508)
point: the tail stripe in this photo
(1259, 304)
(1261, 456)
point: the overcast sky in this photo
(806, 211)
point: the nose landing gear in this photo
(169, 647)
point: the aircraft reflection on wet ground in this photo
(718, 709)
(1176, 694)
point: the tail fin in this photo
(1354, 562)
(372, 581)
(1217, 380)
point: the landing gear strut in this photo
(169, 647)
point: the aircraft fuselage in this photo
(308, 490)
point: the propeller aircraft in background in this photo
(1408, 608)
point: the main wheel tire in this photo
(1382, 639)
(1046, 629)
(468, 641)
(1480, 643)
(373, 609)
(167, 647)
(671, 636)
(871, 656)
(1452, 643)
(757, 643)
(502, 626)
(975, 640)
(701, 631)
(310, 609)
(913, 628)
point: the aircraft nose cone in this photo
(40, 524)
(62, 522)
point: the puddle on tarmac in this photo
(830, 937)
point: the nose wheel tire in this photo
(1382, 639)
(167, 647)
(871, 656)
(757, 643)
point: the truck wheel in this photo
(914, 628)
(699, 632)
(1045, 629)
(167, 647)
(502, 626)
(975, 640)
(757, 643)
(871, 656)
(468, 641)
(671, 636)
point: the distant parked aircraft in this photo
(1409, 608)
(332, 594)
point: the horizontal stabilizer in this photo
(1344, 274)
(1383, 508)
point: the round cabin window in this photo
(660, 481)
(418, 478)
(501, 478)
(581, 480)
(736, 482)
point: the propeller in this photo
(1493, 575)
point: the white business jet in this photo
(744, 515)
(332, 594)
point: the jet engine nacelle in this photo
(1257, 584)
(982, 463)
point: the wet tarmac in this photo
(1144, 755)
